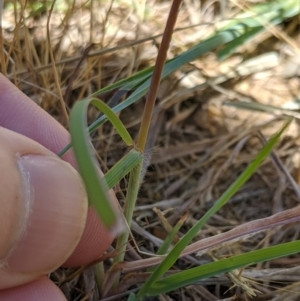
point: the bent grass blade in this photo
(113, 118)
(96, 186)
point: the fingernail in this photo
(55, 209)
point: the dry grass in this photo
(198, 145)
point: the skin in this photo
(45, 221)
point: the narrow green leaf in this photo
(64, 150)
(233, 45)
(170, 259)
(190, 276)
(167, 242)
(96, 187)
(114, 119)
(128, 83)
(123, 167)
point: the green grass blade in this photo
(114, 119)
(231, 46)
(64, 150)
(109, 114)
(123, 167)
(98, 122)
(170, 237)
(168, 241)
(222, 266)
(170, 259)
(96, 187)
(128, 83)
(136, 95)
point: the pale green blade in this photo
(128, 83)
(96, 186)
(114, 119)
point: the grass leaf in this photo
(96, 187)
(168, 240)
(114, 119)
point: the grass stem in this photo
(156, 77)
(134, 183)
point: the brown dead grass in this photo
(198, 145)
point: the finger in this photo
(90, 246)
(41, 289)
(43, 209)
(22, 115)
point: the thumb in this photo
(43, 209)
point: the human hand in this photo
(45, 221)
